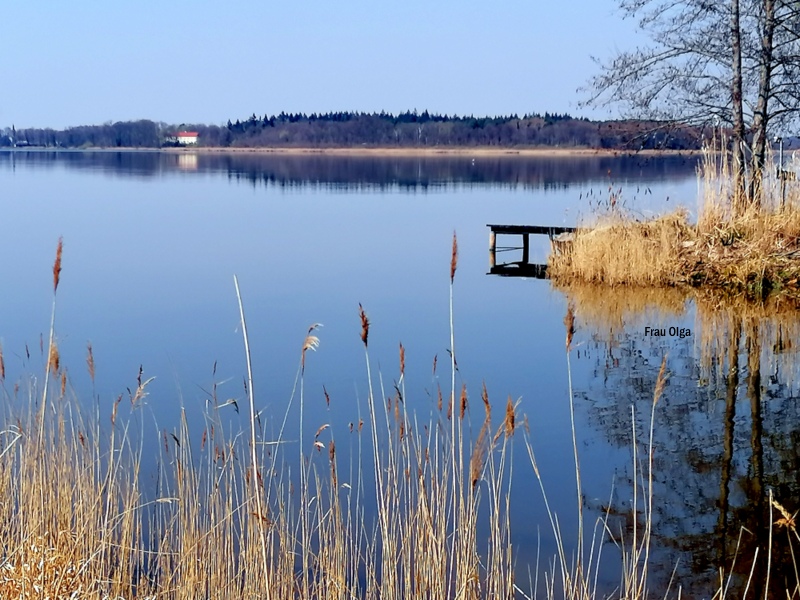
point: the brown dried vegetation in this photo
(754, 251)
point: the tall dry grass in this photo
(618, 251)
(225, 520)
(754, 250)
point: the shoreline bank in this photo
(756, 255)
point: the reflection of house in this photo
(187, 162)
(187, 137)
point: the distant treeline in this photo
(354, 129)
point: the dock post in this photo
(492, 250)
(525, 248)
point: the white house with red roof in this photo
(186, 138)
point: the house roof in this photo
(187, 134)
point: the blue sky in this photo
(85, 62)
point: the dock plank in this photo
(530, 229)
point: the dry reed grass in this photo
(225, 520)
(753, 251)
(618, 251)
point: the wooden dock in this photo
(521, 268)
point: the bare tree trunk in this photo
(761, 115)
(738, 112)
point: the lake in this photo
(153, 240)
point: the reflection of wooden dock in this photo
(522, 268)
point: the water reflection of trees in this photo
(406, 172)
(131, 164)
(726, 430)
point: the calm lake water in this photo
(152, 242)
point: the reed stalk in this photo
(254, 470)
(52, 350)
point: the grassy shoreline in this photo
(754, 252)
(754, 257)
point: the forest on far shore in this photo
(380, 130)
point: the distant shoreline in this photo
(466, 151)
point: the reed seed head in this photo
(439, 399)
(2, 365)
(57, 264)
(90, 360)
(661, 380)
(364, 325)
(462, 402)
(510, 418)
(310, 343)
(435, 358)
(454, 258)
(332, 458)
(478, 457)
(327, 397)
(54, 359)
(787, 519)
(486, 406)
(63, 383)
(402, 360)
(114, 416)
(321, 429)
(569, 322)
